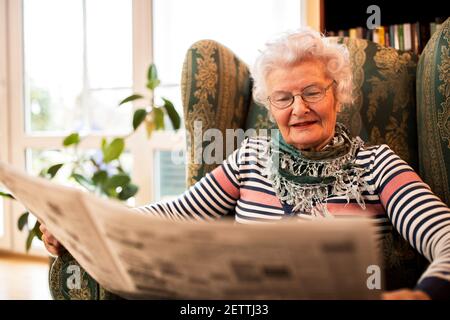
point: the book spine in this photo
(375, 36)
(381, 39)
(414, 38)
(407, 36)
(391, 35)
(401, 39)
(396, 40)
(387, 38)
(360, 33)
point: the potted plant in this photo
(106, 175)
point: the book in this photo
(396, 38)
(401, 38)
(381, 39)
(360, 33)
(387, 39)
(375, 36)
(392, 35)
(407, 36)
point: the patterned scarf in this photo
(304, 179)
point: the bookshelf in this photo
(404, 25)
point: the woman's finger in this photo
(43, 228)
(52, 245)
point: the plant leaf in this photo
(6, 195)
(152, 77)
(85, 182)
(30, 238)
(23, 220)
(173, 114)
(37, 231)
(113, 150)
(104, 144)
(73, 138)
(118, 180)
(43, 173)
(99, 177)
(128, 191)
(138, 117)
(131, 98)
(150, 127)
(53, 170)
(158, 118)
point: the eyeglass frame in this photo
(323, 90)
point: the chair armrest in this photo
(64, 286)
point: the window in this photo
(76, 73)
(65, 65)
(4, 221)
(69, 64)
(243, 26)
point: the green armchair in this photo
(216, 89)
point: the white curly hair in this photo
(304, 44)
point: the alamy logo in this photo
(74, 280)
(374, 280)
(374, 20)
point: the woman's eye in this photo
(281, 98)
(311, 93)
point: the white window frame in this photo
(5, 239)
(11, 104)
(14, 140)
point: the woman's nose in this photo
(299, 107)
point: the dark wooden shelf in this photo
(343, 15)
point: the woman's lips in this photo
(303, 124)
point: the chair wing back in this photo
(216, 94)
(384, 107)
(433, 112)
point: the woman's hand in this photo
(405, 294)
(51, 244)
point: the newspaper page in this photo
(141, 256)
(63, 212)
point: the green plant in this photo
(102, 172)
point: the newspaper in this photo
(142, 256)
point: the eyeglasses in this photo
(311, 94)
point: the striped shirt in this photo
(398, 199)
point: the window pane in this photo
(170, 177)
(109, 43)
(243, 26)
(72, 49)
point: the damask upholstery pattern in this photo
(433, 112)
(384, 108)
(64, 285)
(216, 92)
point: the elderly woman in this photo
(312, 168)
